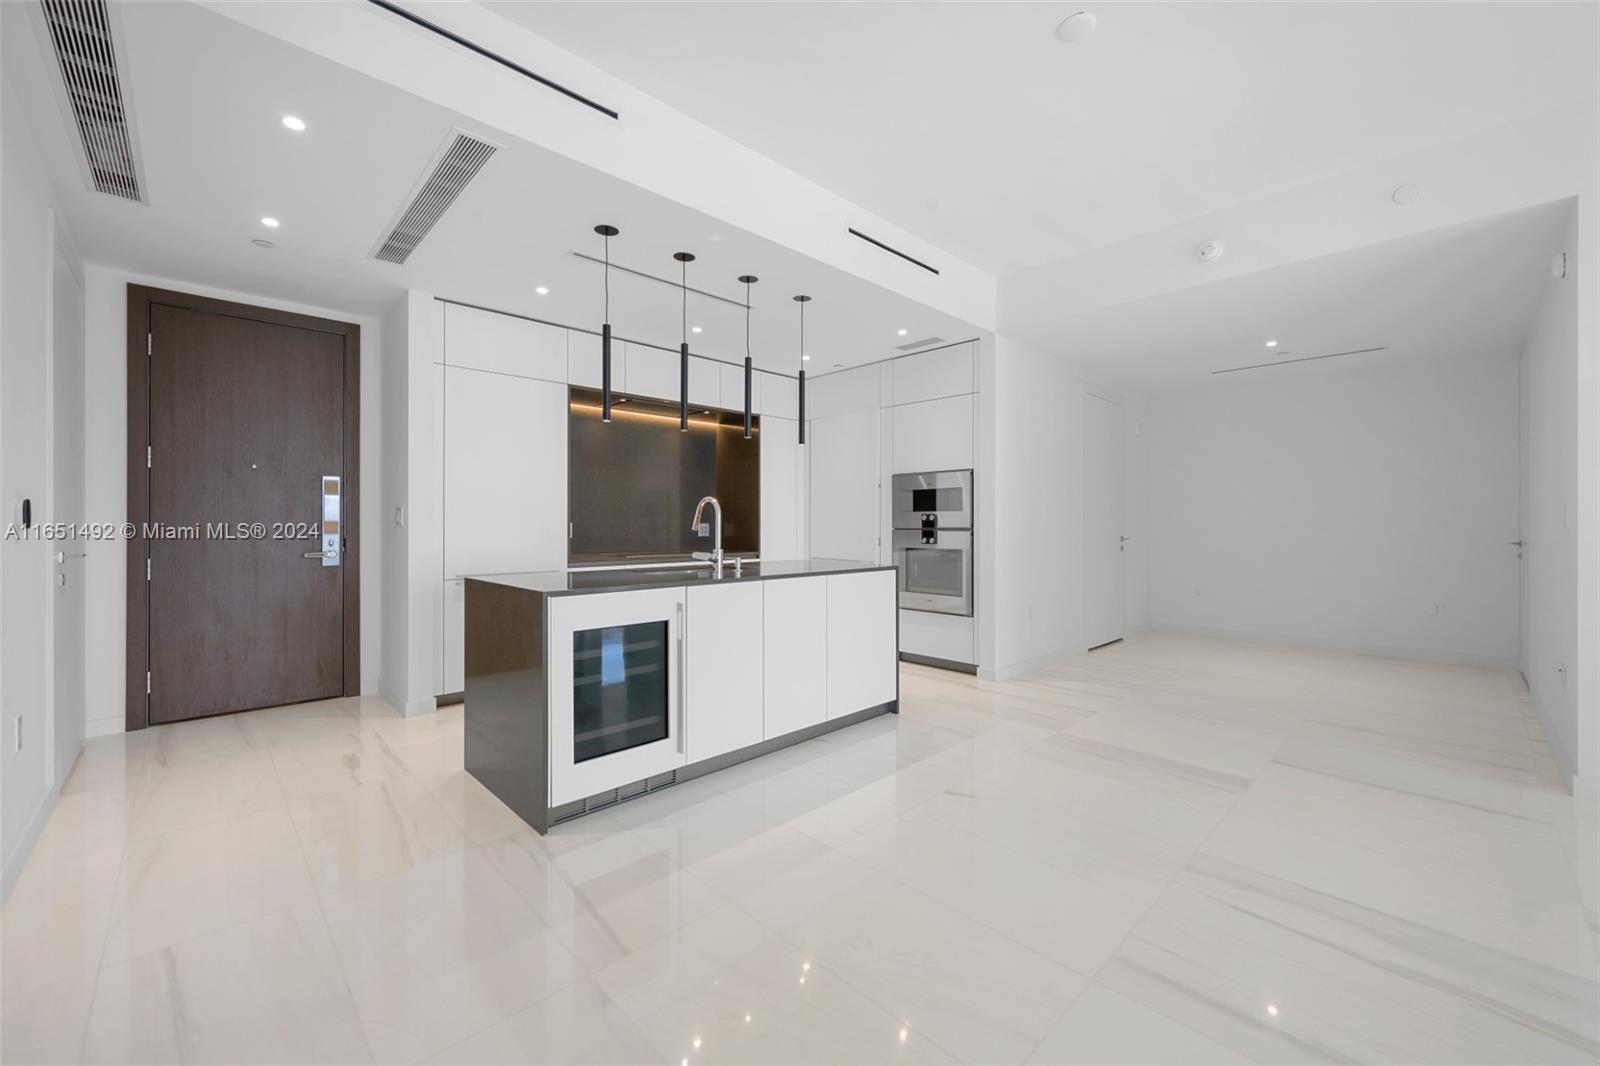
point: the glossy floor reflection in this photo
(1168, 850)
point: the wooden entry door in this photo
(248, 413)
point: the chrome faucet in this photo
(716, 543)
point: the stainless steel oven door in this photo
(940, 497)
(935, 570)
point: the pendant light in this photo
(749, 372)
(684, 258)
(607, 232)
(802, 301)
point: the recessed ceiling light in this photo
(261, 242)
(1272, 344)
(294, 122)
(1406, 194)
(542, 291)
(1076, 27)
(695, 329)
(901, 332)
(270, 222)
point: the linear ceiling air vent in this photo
(80, 31)
(892, 251)
(456, 164)
(1301, 359)
(923, 343)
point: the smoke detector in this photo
(1406, 194)
(1209, 252)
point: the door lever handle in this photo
(319, 555)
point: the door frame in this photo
(140, 300)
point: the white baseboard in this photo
(104, 727)
(34, 825)
(409, 708)
(1027, 666)
(369, 686)
(1385, 651)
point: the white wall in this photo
(1038, 499)
(105, 489)
(391, 493)
(27, 788)
(1364, 507)
(1550, 515)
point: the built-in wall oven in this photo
(933, 540)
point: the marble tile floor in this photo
(1167, 850)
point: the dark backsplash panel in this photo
(633, 483)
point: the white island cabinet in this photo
(586, 688)
(724, 656)
(862, 646)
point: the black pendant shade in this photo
(684, 258)
(749, 371)
(607, 232)
(802, 300)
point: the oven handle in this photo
(682, 719)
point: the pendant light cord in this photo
(747, 320)
(683, 324)
(608, 279)
(802, 336)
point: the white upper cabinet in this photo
(934, 435)
(583, 361)
(950, 371)
(778, 395)
(841, 391)
(504, 344)
(780, 486)
(505, 473)
(863, 652)
(733, 388)
(705, 383)
(723, 648)
(651, 372)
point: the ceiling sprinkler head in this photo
(1209, 252)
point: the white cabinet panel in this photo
(939, 636)
(733, 388)
(934, 435)
(840, 391)
(862, 653)
(705, 382)
(455, 637)
(844, 508)
(505, 473)
(651, 372)
(780, 464)
(504, 344)
(723, 649)
(583, 361)
(944, 372)
(779, 395)
(795, 634)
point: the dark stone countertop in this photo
(579, 582)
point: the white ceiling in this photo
(1470, 289)
(970, 125)
(207, 95)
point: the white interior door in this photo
(1104, 574)
(67, 472)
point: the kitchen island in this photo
(588, 687)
